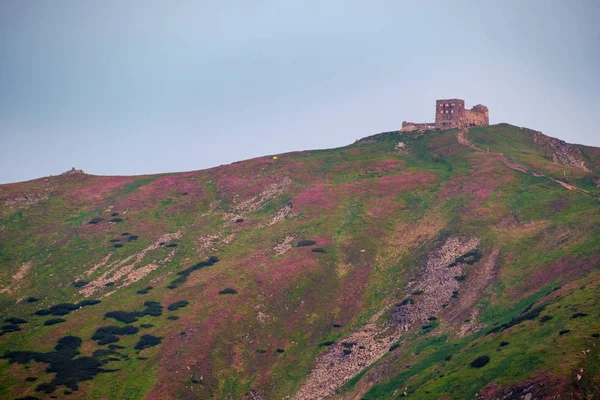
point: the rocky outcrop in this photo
(432, 289)
(437, 286)
(562, 152)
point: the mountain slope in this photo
(368, 271)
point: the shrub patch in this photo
(109, 334)
(177, 305)
(183, 275)
(66, 308)
(54, 321)
(69, 371)
(228, 291)
(303, 243)
(153, 309)
(147, 341)
(480, 362)
(17, 321)
(145, 290)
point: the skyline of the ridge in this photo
(149, 87)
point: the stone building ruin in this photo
(451, 113)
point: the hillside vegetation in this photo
(445, 264)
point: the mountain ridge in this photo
(423, 248)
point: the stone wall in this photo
(417, 126)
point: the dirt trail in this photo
(461, 137)
(435, 286)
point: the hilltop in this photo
(448, 264)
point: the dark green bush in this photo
(172, 317)
(525, 316)
(117, 245)
(261, 351)
(177, 305)
(32, 299)
(228, 291)
(460, 278)
(318, 250)
(177, 282)
(418, 292)
(564, 331)
(10, 328)
(348, 345)
(96, 220)
(66, 308)
(480, 362)
(280, 350)
(114, 240)
(54, 321)
(579, 315)
(337, 326)
(546, 318)
(147, 341)
(394, 347)
(114, 214)
(125, 234)
(327, 343)
(303, 243)
(186, 272)
(145, 290)
(122, 316)
(132, 238)
(153, 309)
(432, 319)
(68, 370)
(115, 347)
(90, 302)
(503, 343)
(405, 302)
(31, 379)
(109, 284)
(108, 334)
(595, 335)
(239, 220)
(172, 245)
(146, 326)
(116, 220)
(17, 321)
(347, 351)
(454, 294)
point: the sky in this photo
(138, 87)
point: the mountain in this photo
(447, 264)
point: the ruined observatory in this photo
(451, 113)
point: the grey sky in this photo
(132, 87)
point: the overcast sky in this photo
(135, 87)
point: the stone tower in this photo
(451, 113)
